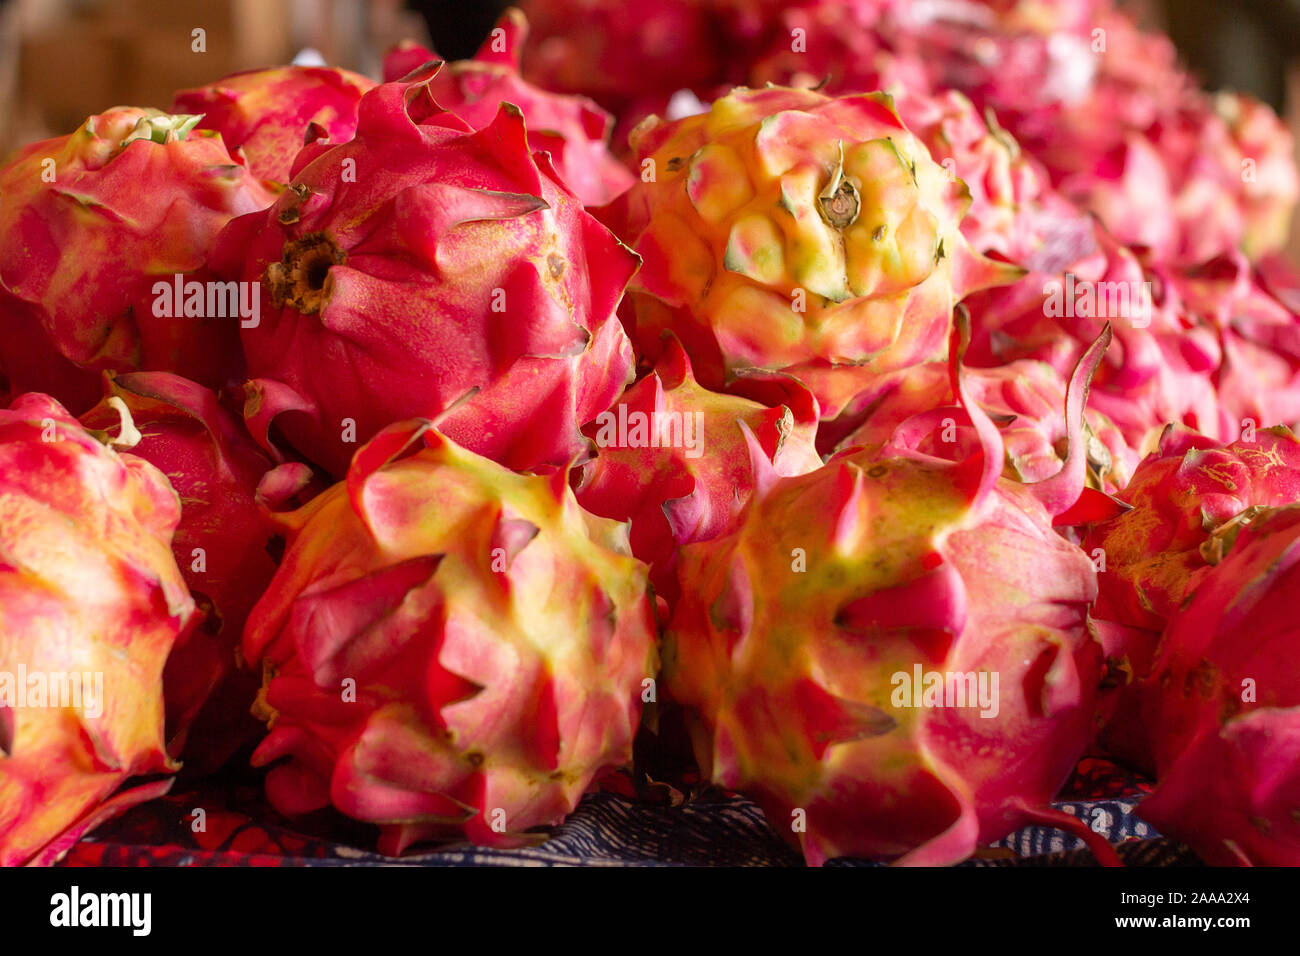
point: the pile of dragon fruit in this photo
(886, 402)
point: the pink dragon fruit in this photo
(91, 602)
(626, 58)
(94, 230)
(838, 48)
(425, 264)
(785, 230)
(1225, 705)
(1026, 399)
(1189, 499)
(1014, 213)
(806, 642)
(1257, 380)
(1104, 105)
(673, 460)
(221, 545)
(1162, 368)
(1186, 496)
(452, 649)
(271, 114)
(571, 128)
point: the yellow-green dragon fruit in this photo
(787, 230)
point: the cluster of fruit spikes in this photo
(419, 418)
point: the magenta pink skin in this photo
(915, 408)
(269, 114)
(79, 257)
(571, 128)
(1257, 326)
(1124, 132)
(1180, 493)
(672, 499)
(1228, 768)
(444, 222)
(1160, 372)
(618, 53)
(215, 467)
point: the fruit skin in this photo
(676, 495)
(1026, 399)
(423, 264)
(573, 129)
(221, 546)
(498, 636)
(1257, 327)
(619, 55)
(88, 585)
(138, 196)
(271, 114)
(1121, 128)
(1189, 499)
(1163, 364)
(786, 230)
(910, 562)
(1226, 720)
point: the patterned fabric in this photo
(608, 829)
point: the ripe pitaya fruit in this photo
(573, 129)
(797, 636)
(1124, 131)
(425, 263)
(1026, 399)
(1189, 499)
(91, 223)
(1014, 212)
(1185, 497)
(271, 114)
(222, 546)
(452, 649)
(1257, 379)
(624, 57)
(839, 48)
(673, 460)
(785, 230)
(1120, 127)
(1161, 368)
(91, 602)
(1225, 696)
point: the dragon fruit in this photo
(798, 636)
(92, 225)
(1189, 499)
(1163, 366)
(627, 58)
(673, 460)
(1014, 212)
(221, 546)
(785, 230)
(571, 128)
(1185, 497)
(91, 602)
(452, 649)
(1257, 379)
(1026, 399)
(1225, 704)
(271, 114)
(1104, 105)
(425, 265)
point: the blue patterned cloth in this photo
(608, 829)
